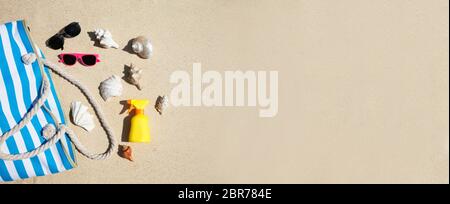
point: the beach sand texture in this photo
(363, 88)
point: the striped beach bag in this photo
(29, 107)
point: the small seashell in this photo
(142, 46)
(81, 117)
(133, 75)
(48, 131)
(111, 87)
(105, 38)
(161, 104)
(28, 58)
(125, 152)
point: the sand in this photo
(363, 88)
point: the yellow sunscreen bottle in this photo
(139, 130)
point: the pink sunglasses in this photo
(84, 59)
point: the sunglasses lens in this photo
(56, 42)
(69, 59)
(89, 60)
(72, 30)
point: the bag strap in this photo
(61, 129)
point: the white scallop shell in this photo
(105, 38)
(81, 117)
(28, 58)
(142, 46)
(111, 87)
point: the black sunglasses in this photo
(57, 41)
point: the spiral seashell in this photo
(142, 47)
(105, 38)
(80, 116)
(111, 87)
(161, 104)
(125, 152)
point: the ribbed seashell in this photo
(111, 87)
(80, 116)
(161, 104)
(28, 58)
(142, 46)
(133, 75)
(105, 38)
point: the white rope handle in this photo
(61, 129)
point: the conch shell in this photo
(133, 75)
(125, 152)
(142, 47)
(105, 38)
(161, 104)
(28, 58)
(80, 116)
(111, 87)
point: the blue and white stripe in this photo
(19, 87)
